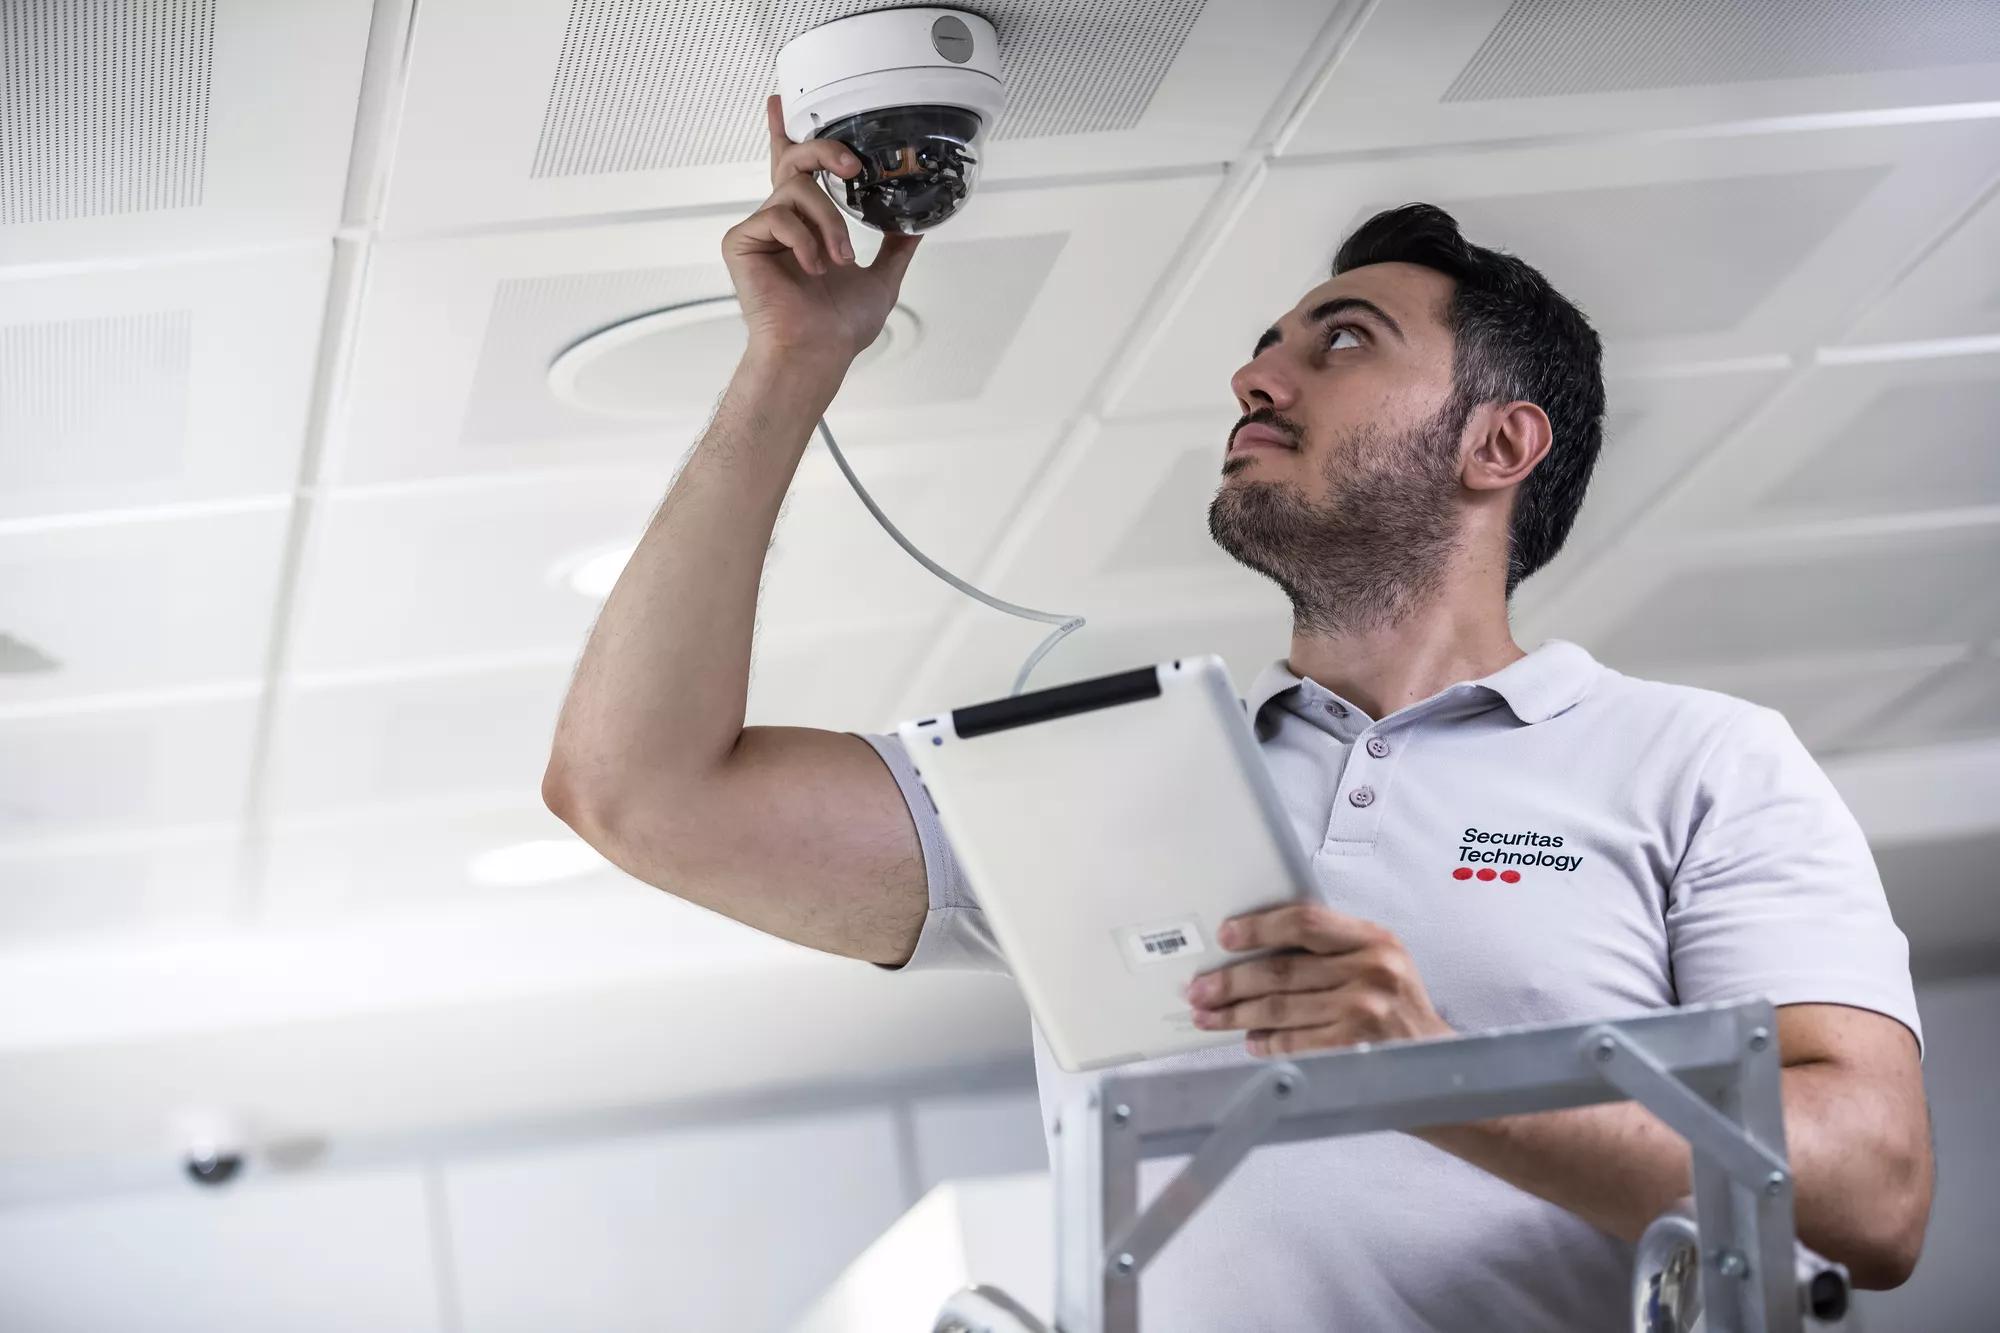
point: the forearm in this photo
(1618, 1166)
(663, 682)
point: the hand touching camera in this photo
(803, 295)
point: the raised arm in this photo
(798, 832)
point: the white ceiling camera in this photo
(910, 91)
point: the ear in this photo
(1512, 438)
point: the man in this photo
(1500, 837)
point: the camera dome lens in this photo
(918, 166)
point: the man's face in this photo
(1356, 521)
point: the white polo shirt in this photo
(1555, 842)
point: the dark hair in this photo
(1514, 337)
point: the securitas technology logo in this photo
(1487, 849)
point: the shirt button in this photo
(1378, 747)
(1362, 797)
(1336, 708)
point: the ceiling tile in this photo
(129, 606)
(158, 128)
(1588, 46)
(414, 865)
(1655, 431)
(1472, 70)
(1120, 520)
(1942, 894)
(480, 739)
(172, 382)
(1880, 438)
(1953, 288)
(1715, 250)
(116, 770)
(440, 573)
(1928, 444)
(1018, 307)
(1827, 697)
(1960, 703)
(583, 106)
(1658, 242)
(1851, 595)
(151, 885)
(483, 736)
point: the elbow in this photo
(569, 799)
(558, 791)
(1885, 1264)
(1887, 1257)
(1885, 1253)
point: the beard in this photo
(1376, 550)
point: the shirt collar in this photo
(1546, 682)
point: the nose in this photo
(1263, 381)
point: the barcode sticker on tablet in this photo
(1158, 943)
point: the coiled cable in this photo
(1063, 623)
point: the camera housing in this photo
(213, 1142)
(212, 1166)
(913, 93)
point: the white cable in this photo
(1065, 623)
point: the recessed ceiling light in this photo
(592, 573)
(671, 362)
(543, 861)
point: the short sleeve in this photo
(1777, 893)
(955, 935)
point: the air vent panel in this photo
(1554, 48)
(103, 107)
(112, 389)
(649, 87)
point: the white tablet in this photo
(1108, 826)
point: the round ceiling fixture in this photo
(542, 861)
(593, 573)
(668, 363)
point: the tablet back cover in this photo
(1108, 827)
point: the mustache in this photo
(1270, 421)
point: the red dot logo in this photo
(1486, 872)
(1463, 872)
(1510, 876)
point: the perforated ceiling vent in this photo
(681, 84)
(103, 395)
(1547, 48)
(1714, 249)
(103, 106)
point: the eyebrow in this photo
(1326, 310)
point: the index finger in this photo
(1312, 926)
(774, 118)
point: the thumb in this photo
(893, 259)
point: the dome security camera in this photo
(910, 92)
(212, 1166)
(213, 1144)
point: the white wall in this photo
(729, 1226)
(733, 1227)
(710, 1230)
(320, 1254)
(1953, 1288)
